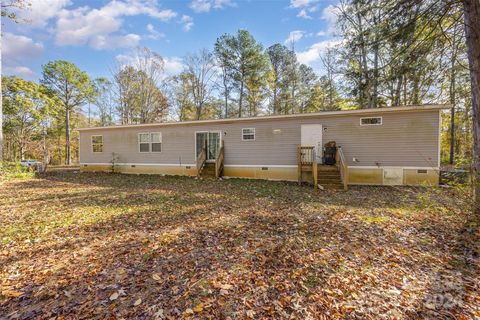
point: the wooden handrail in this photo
(342, 163)
(219, 161)
(306, 155)
(201, 159)
(306, 158)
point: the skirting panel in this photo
(357, 175)
(393, 176)
(141, 169)
(267, 173)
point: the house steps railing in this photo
(306, 161)
(201, 159)
(219, 161)
(343, 166)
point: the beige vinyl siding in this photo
(405, 139)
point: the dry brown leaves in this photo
(99, 246)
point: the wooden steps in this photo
(208, 170)
(329, 177)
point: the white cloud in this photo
(21, 71)
(16, 49)
(38, 12)
(200, 6)
(313, 53)
(173, 66)
(321, 33)
(331, 14)
(303, 14)
(153, 33)
(306, 7)
(96, 27)
(295, 36)
(188, 22)
(101, 42)
(302, 3)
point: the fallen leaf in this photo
(198, 307)
(250, 314)
(12, 293)
(189, 311)
(223, 292)
(114, 296)
(137, 302)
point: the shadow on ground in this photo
(123, 246)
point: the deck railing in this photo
(201, 159)
(307, 161)
(342, 163)
(306, 155)
(219, 161)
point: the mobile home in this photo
(384, 146)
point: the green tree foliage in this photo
(139, 98)
(199, 75)
(73, 87)
(28, 110)
(105, 101)
(9, 8)
(243, 56)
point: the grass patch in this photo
(197, 248)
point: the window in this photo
(144, 142)
(248, 134)
(97, 143)
(373, 121)
(156, 139)
(150, 142)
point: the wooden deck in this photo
(325, 175)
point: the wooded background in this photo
(389, 53)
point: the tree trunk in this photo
(375, 66)
(240, 101)
(225, 85)
(198, 111)
(452, 102)
(472, 34)
(67, 136)
(452, 133)
(275, 95)
(1, 114)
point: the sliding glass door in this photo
(212, 141)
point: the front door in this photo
(209, 138)
(312, 136)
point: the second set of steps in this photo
(329, 177)
(208, 170)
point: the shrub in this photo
(13, 170)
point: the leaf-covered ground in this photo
(107, 246)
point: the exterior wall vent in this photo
(133, 166)
(264, 168)
(422, 171)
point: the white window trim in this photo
(91, 142)
(208, 137)
(254, 134)
(371, 124)
(151, 142)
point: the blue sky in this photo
(96, 34)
